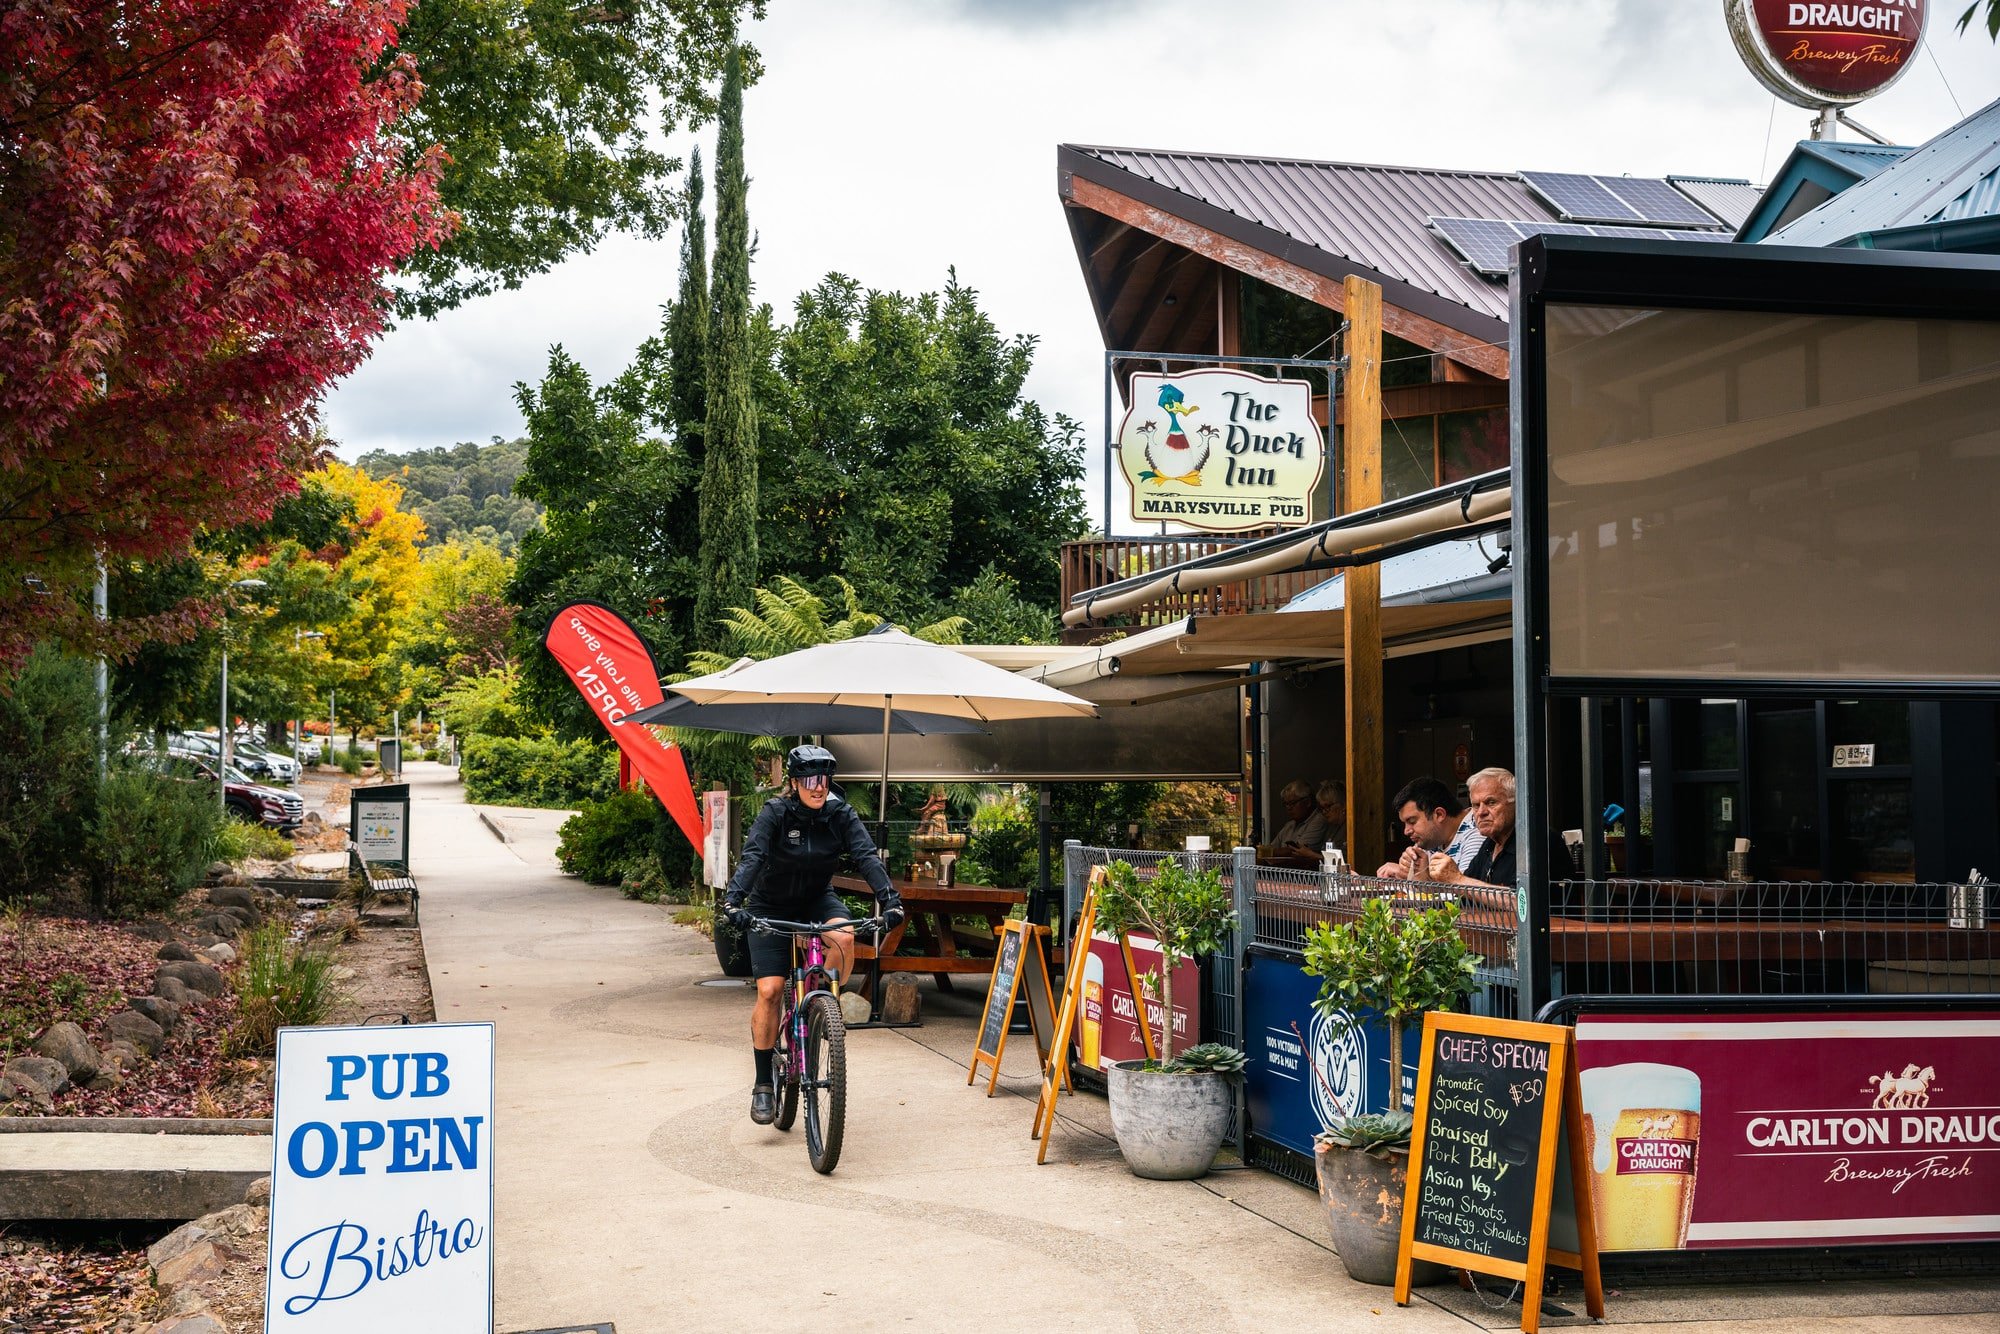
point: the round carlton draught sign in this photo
(1823, 55)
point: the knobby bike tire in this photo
(784, 1069)
(826, 1081)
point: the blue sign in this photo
(1289, 1104)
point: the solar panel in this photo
(1580, 198)
(1484, 243)
(1481, 242)
(1657, 202)
(1729, 199)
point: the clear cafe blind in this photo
(1758, 496)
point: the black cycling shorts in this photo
(771, 955)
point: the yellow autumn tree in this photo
(380, 569)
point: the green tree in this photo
(551, 114)
(1992, 8)
(687, 329)
(899, 452)
(729, 463)
(611, 497)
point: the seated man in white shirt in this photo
(1434, 822)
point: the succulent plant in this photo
(1378, 1133)
(1208, 1058)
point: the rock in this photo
(20, 1088)
(238, 1220)
(52, 1077)
(195, 976)
(312, 818)
(221, 953)
(197, 1264)
(853, 1007)
(159, 1009)
(122, 1055)
(135, 1028)
(340, 973)
(173, 951)
(259, 1194)
(151, 930)
(217, 870)
(200, 1321)
(177, 1242)
(233, 877)
(900, 999)
(219, 925)
(175, 990)
(67, 1043)
(207, 938)
(231, 896)
(107, 1078)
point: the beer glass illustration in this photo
(1643, 1122)
(1093, 1009)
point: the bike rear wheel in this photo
(825, 1084)
(785, 1069)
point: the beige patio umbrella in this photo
(892, 671)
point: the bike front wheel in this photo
(824, 1087)
(784, 1063)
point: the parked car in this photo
(260, 762)
(245, 799)
(308, 749)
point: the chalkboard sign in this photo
(1491, 1097)
(1018, 961)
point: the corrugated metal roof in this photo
(1727, 198)
(1950, 178)
(1371, 215)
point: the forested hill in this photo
(464, 489)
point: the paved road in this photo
(634, 1189)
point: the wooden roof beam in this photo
(1283, 274)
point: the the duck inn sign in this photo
(1221, 450)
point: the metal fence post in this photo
(1073, 877)
(1243, 884)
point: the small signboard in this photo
(382, 1181)
(1018, 963)
(1491, 1094)
(381, 823)
(715, 839)
(1854, 756)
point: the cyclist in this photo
(796, 844)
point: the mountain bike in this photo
(810, 1059)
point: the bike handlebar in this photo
(772, 926)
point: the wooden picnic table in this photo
(929, 910)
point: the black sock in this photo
(763, 1055)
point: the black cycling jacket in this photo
(793, 851)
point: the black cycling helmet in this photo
(803, 760)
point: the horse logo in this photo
(1912, 1088)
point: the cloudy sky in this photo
(893, 139)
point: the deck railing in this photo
(1100, 562)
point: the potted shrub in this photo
(1170, 1115)
(1398, 965)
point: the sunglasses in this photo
(817, 782)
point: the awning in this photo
(1232, 643)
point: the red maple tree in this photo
(199, 216)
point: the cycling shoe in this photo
(763, 1105)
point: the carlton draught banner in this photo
(610, 667)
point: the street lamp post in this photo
(299, 724)
(222, 732)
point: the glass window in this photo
(1705, 734)
(1881, 723)
(1709, 819)
(1871, 829)
(1785, 833)
(1404, 363)
(1471, 443)
(1409, 459)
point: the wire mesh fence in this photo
(1690, 937)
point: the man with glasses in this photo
(789, 859)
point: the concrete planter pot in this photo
(732, 948)
(1363, 1195)
(1168, 1126)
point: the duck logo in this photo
(1221, 449)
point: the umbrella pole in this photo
(882, 793)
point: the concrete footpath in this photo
(634, 1190)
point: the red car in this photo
(245, 799)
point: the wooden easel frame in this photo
(1531, 1275)
(1031, 939)
(1055, 1073)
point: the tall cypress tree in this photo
(729, 463)
(687, 328)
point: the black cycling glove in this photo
(738, 915)
(891, 907)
